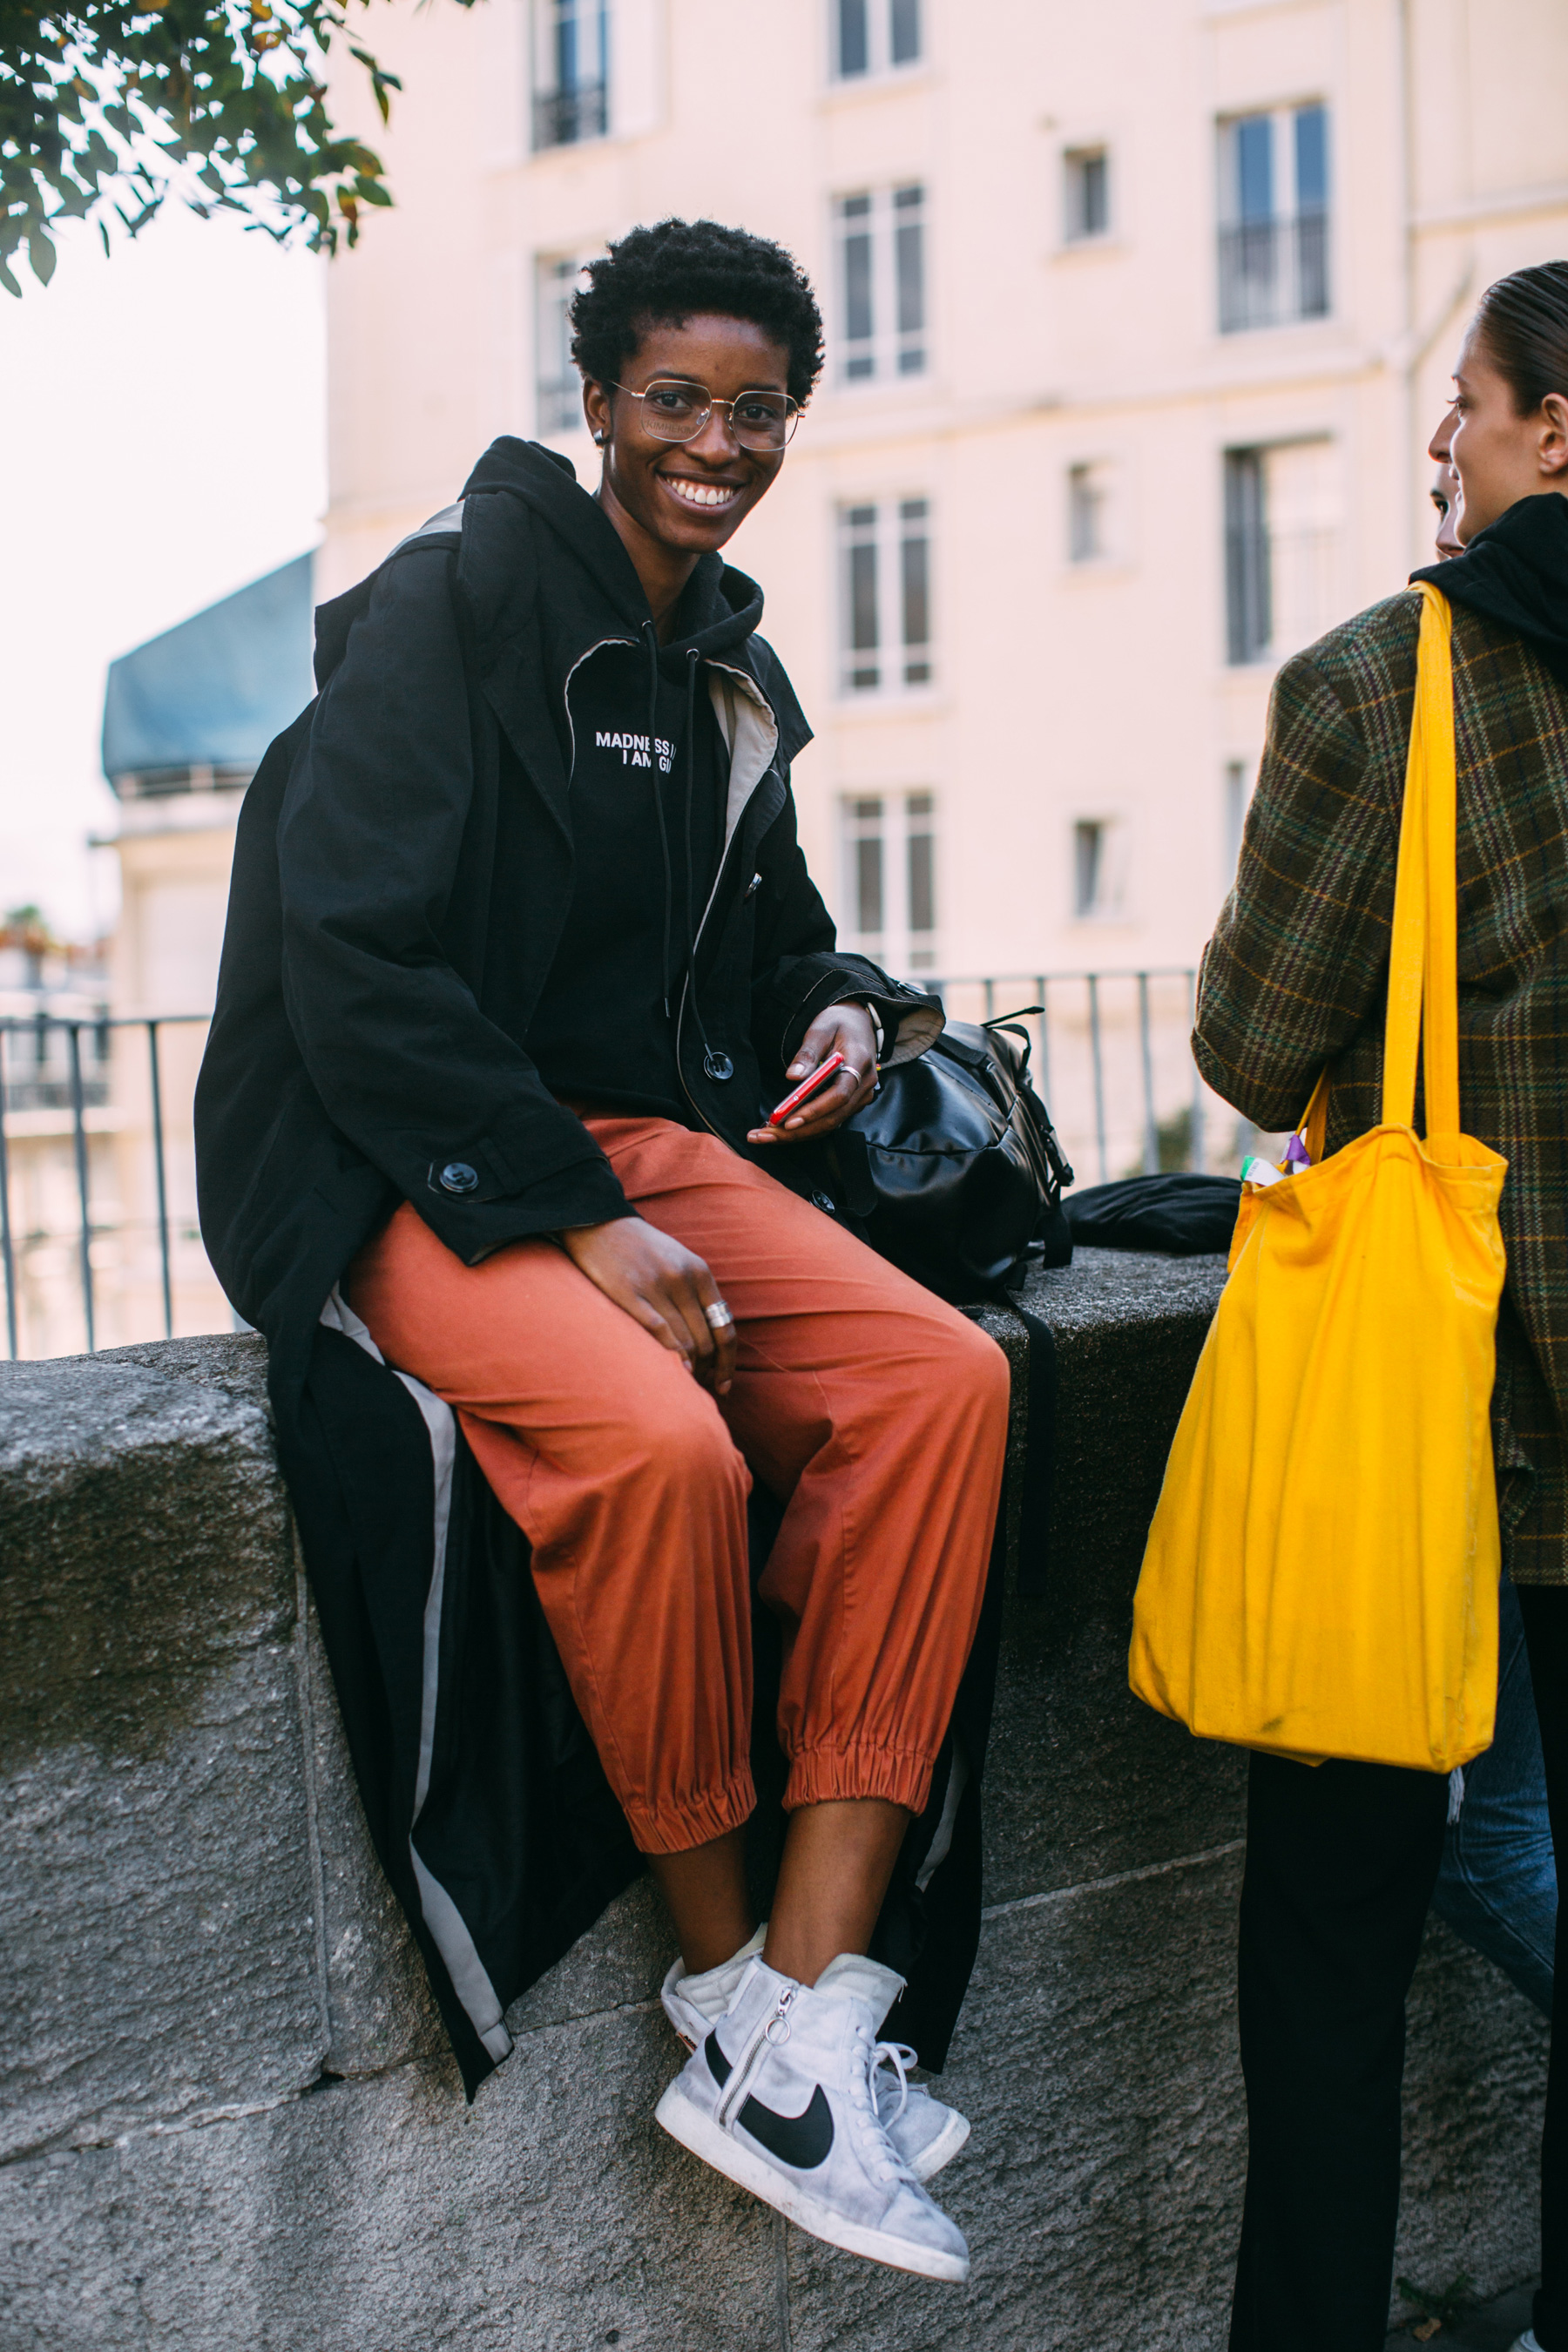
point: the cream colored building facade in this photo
(1138, 321)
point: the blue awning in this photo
(214, 690)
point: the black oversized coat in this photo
(402, 874)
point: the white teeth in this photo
(702, 494)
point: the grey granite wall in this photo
(226, 2118)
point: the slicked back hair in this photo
(1523, 322)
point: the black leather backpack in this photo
(954, 1167)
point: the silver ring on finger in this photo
(718, 1316)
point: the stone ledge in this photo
(199, 1929)
(162, 1941)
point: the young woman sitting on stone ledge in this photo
(515, 974)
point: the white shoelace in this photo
(881, 2156)
(901, 2058)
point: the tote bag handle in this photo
(1423, 954)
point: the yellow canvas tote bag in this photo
(1321, 1577)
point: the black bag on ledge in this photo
(1184, 1216)
(955, 1168)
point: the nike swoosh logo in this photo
(801, 2141)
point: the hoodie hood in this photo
(1516, 573)
(720, 609)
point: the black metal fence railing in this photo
(43, 1075)
(63, 1064)
(1180, 1134)
(98, 1236)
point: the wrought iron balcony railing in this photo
(563, 117)
(1273, 271)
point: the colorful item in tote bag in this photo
(1321, 1576)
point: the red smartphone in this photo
(806, 1087)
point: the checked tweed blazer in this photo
(1296, 974)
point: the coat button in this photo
(824, 1201)
(458, 1177)
(717, 1065)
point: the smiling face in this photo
(1499, 456)
(687, 498)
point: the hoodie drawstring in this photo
(690, 755)
(714, 1065)
(651, 633)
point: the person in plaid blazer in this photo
(1341, 1860)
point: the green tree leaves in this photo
(107, 109)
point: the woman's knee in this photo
(681, 1442)
(955, 1378)
(971, 1366)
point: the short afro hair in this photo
(681, 270)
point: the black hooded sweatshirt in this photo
(650, 775)
(1516, 573)
(416, 876)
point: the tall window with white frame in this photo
(872, 36)
(881, 283)
(1282, 544)
(890, 890)
(1085, 193)
(885, 601)
(570, 71)
(1273, 217)
(557, 386)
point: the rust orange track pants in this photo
(875, 1413)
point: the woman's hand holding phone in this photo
(844, 1029)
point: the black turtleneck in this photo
(1516, 573)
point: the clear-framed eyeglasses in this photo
(674, 410)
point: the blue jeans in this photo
(1498, 1884)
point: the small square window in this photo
(1088, 500)
(1097, 859)
(1088, 860)
(1087, 192)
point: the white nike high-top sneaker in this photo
(778, 2097)
(925, 2131)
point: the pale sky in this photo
(161, 442)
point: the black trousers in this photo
(1341, 1864)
